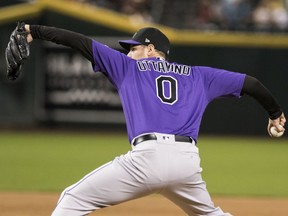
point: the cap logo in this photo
(147, 40)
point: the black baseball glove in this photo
(17, 51)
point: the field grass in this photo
(245, 166)
(51, 161)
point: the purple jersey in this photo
(159, 96)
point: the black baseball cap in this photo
(146, 36)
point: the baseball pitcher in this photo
(163, 103)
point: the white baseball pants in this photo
(162, 166)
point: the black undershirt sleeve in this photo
(254, 88)
(68, 38)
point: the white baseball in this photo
(275, 133)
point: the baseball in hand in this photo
(275, 133)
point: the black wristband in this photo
(275, 115)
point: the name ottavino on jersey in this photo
(163, 67)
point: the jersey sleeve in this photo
(221, 83)
(111, 62)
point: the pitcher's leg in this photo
(190, 193)
(108, 185)
(194, 199)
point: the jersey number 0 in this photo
(167, 89)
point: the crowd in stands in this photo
(233, 15)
